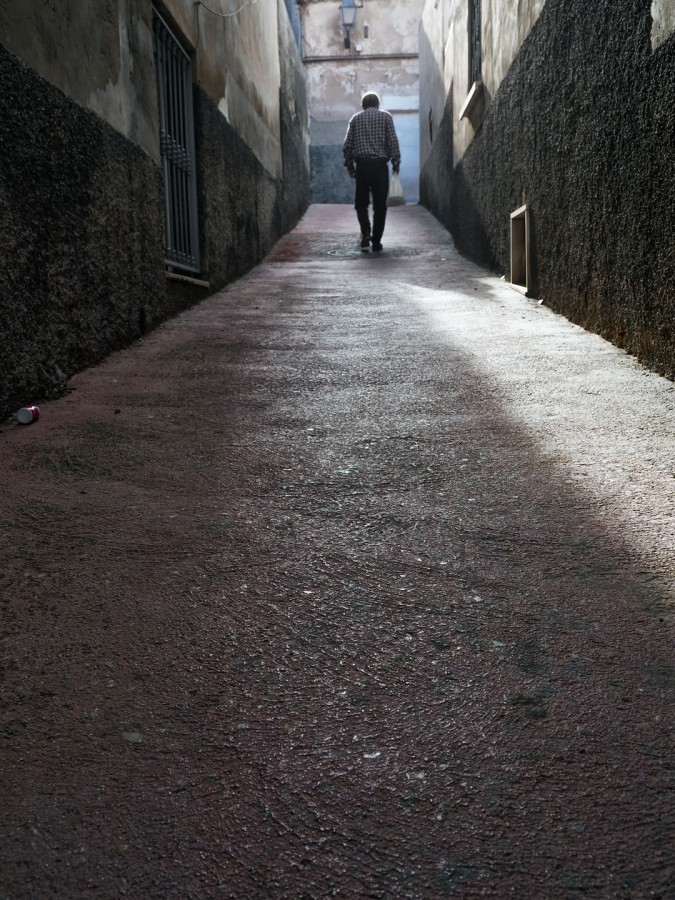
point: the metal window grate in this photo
(475, 50)
(177, 149)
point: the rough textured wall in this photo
(99, 54)
(581, 129)
(81, 214)
(444, 62)
(81, 222)
(244, 209)
(330, 182)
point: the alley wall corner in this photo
(548, 155)
(150, 154)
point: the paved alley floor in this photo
(355, 580)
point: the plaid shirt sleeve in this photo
(394, 151)
(348, 146)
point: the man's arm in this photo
(348, 150)
(392, 145)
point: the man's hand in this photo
(395, 169)
(352, 173)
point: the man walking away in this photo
(369, 145)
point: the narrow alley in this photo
(355, 579)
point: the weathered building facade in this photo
(382, 56)
(149, 154)
(547, 153)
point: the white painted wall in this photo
(383, 58)
(663, 24)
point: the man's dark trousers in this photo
(372, 175)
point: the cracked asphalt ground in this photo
(355, 580)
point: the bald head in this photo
(370, 100)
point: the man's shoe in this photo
(377, 247)
(365, 242)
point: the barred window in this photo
(177, 149)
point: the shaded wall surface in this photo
(82, 268)
(99, 54)
(81, 219)
(580, 129)
(244, 208)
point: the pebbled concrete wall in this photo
(99, 54)
(444, 62)
(82, 224)
(581, 129)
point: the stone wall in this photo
(581, 130)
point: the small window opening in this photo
(520, 255)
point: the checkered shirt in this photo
(371, 135)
